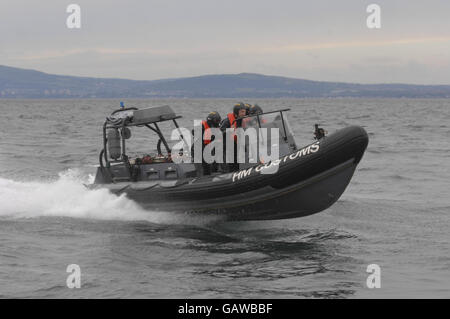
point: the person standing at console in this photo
(233, 120)
(213, 120)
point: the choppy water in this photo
(395, 213)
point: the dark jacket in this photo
(226, 123)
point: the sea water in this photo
(395, 212)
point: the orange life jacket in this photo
(207, 136)
(232, 119)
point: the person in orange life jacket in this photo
(233, 120)
(212, 121)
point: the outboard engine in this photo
(114, 148)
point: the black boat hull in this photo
(306, 182)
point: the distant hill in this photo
(23, 83)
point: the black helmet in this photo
(255, 109)
(237, 107)
(247, 108)
(213, 119)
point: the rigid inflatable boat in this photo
(306, 180)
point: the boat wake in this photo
(68, 197)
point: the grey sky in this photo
(319, 40)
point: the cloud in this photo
(159, 39)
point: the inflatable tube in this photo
(307, 181)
